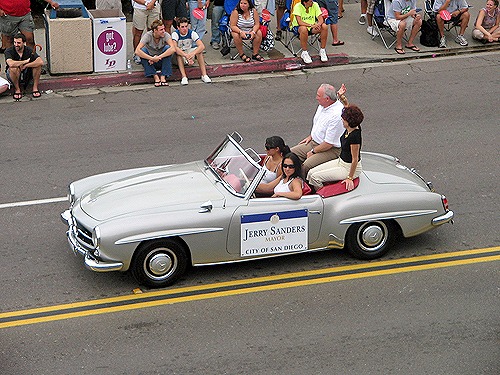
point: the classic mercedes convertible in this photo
(156, 221)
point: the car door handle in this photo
(315, 212)
(206, 207)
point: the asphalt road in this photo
(440, 116)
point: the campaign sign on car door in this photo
(273, 233)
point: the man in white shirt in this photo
(323, 144)
(459, 12)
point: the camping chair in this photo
(449, 26)
(289, 35)
(381, 25)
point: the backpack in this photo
(429, 36)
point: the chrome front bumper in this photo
(91, 262)
(447, 217)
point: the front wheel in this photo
(159, 263)
(370, 240)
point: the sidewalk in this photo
(358, 48)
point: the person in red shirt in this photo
(15, 16)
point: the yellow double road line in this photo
(238, 287)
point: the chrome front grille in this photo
(84, 236)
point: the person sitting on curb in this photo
(184, 39)
(4, 85)
(459, 11)
(245, 25)
(155, 50)
(308, 20)
(23, 66)
(487, 28)
(402, 15)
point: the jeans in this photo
(200, 26)
(164, 65)
(217, 13)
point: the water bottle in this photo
(129, 66)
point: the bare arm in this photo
(295, 190)
(349, 184)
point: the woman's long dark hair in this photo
(277, 141)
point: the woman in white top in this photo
(275, 149)
(289, 184)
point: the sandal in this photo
(36, 94)
(413, 48)
(339, 43)
(245, 58)
(157, 83)
(258, 57)
(17, 96)
(163, 83)
(399, 51)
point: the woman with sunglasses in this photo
(289, 184)
(348, 166)
(275, 149)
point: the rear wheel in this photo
(370, 240)
(159, 263)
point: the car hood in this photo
(169, 188)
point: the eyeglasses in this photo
(291, 166)
(268, 147)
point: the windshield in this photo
(233, 166)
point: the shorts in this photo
(333, 10)
(477, 34)
(280, 3)
(296, 30)
(4, 82)
(189, 50)
(25, 78)
(142, 18)
(171, 9)
(394, 23)
(370, 7)
(10, 25)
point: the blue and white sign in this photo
(274, 233)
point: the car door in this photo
(268, 226)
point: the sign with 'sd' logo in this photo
(274, 233)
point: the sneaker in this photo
(278, 35)
(362, 19)
(305, 56)
(322, 55)
(442, 42)
(137, 60)
(215, 45)
(461, 40)
(371, 30)
(206, 79)
(184, 81)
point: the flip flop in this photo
(339, 43)
(164, 83)
(36, 94)
(157, 83)
(17, 96)
(245, 58)
(399, 51)
(413, 48)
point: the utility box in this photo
(68, 34)
(110, 40)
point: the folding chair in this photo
(380, 23)
(289, 35)
(449, 26)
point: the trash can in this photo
(68, 37)
(110, 40)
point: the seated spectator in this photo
(308, 20)
(459, 10)
(245, 25)
(289, 184)
(155, 51)
(184, 39)
(487, 28)
(402, 15)
(23, 66)
(333, 9)
(348, 166)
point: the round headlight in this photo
(96, 237)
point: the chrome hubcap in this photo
(159, 264)
(372, 236)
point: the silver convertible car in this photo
(156, 221)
